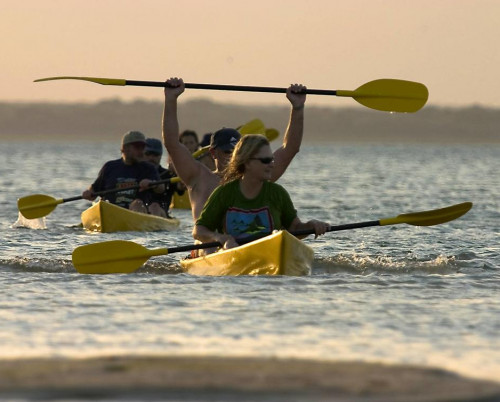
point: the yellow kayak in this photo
(106, 217)
(180, 201)
(278, 254)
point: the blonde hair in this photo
(246, 148)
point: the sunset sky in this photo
(449, 45)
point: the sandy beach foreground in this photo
(232, 379)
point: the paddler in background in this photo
(130, 170)
(190, 140)
(200, 180)
(153, 153)
(248, 204)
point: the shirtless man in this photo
(201, 181)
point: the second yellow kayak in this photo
(106, 217)
(180, 201)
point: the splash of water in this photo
(22, 222)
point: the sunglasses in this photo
(265, 161)
(152, 153)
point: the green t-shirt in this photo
(228, 211)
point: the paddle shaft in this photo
(117, 190)
(199, 246)
(337, 228)
(301, 232)
(190, 247)
(459, 210)
(243, 88)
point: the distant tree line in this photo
(108, 120)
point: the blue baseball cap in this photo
(154, 145)
(225, 139)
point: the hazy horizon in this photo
(107, 120)
(348, 104)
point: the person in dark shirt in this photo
(129, 171)
(153, 153)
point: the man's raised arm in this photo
(186, 166)
(292, 140)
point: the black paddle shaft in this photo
(116, 190)
(339, 227)
(218, 87)
(304, 232)
(190, 247)
(180, 249)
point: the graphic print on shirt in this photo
(124, 198)
(241, 223)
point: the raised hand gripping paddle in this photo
(120, 256)
(389, 95)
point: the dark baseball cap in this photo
(225, 139)
(154, 145)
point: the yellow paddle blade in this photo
(112, 257)
(271, 134)
(102, 81)
(201, 151)
(255, 126)
(430, 218)
(390, 95)
(37, 205)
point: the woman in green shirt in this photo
(247, 203)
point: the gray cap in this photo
(133, 136)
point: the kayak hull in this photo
(106, 218)
(278, 254)
(180, 201)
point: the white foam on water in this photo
(38, 223)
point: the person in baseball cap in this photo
(153, 153)
(225, 139)
(153, 146)
(133, 137)
(125, 174)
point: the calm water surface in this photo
(399, 294)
